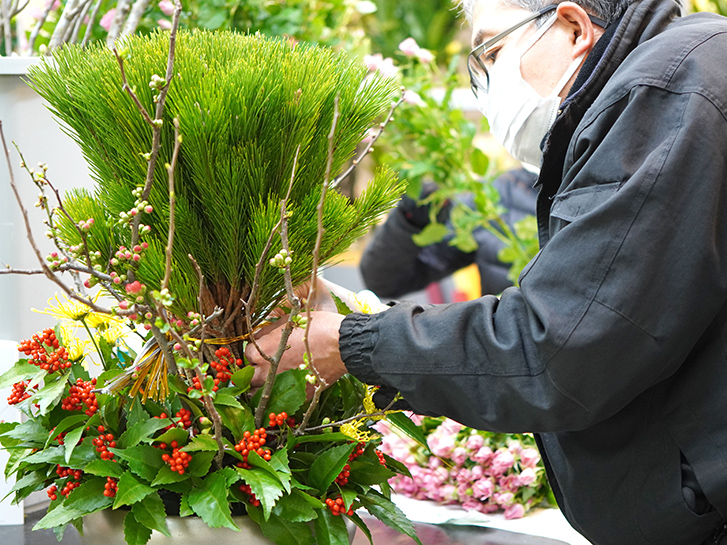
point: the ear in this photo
(579, 26)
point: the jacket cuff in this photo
(357, 338)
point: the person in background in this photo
(392, 265)
(613, 349)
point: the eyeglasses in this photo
(478, 59)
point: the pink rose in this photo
(475, 442)
(529, 457)
(482, 456)
(503, 499)
(441, 446)
(527, 476)
(459, 456)
(482, 489)
(410, 47)
(501, 461)
(107, 19)
(510, 483)
(515, 511)
(167, 7)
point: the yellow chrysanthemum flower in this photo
(352, 429)
(75, 346)
(70, 309)
(112, 330)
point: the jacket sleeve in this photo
(635, 271)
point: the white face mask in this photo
(519, 117)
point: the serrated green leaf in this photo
(210, 502)
(89, 497)
(135, 533)
(201, 442)
(334, 437)
(281, 531)
(58, 516)
(294, 507)
(255, 460)
(30, 480)
(30, 432)
(67, 423)
(369, 472)
(175, 434)
(341, 307)
(144, 460)
(151, 513)
(327, 466)
(51, 393)
(358, 521)
(104, 468)
(243, 377)
(131, 490)
(288, 393)
(431, 234)
(388, 513)
(200, 464)
(142, 431)
(22, 370)
(236, 420)
(266, 488)
(330, 529)
(166, 476)
(408, 428)
(227, 400)
(348, 495)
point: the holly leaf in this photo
(175, 434)
(58, 516)
(242, 378)
(30, 433)
(341, 307)
(283, 476)
(51, 393)
(227, 400)
(237, 420)
(431, 234)
(142, 431)
(210, 502)
(281, 531)
(167, 476)
(151, 513)
(288, 393)
(330, 529)
(201, 442)
(89, 497)
(266, 488)
(295, 508)
(66, 424)
(135, 533)
(22, 370)
(71, 440)
(104, 468)
(358, 521)
(388, 513)
(401, 422)
(144, 460)
(369, 472)
(326, 467)
(131, 490)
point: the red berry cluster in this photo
(337, 507)
(253, 442)
(185, 419)
(343, 476)
(178, 461)
(81, 394)
(103, 442)
(53, 493)
(280, 419)
(197, 384)
(45, 351)
(18, 393)
(382, 460)
(61, 438)
(64, 472)
(247, 490)
(222, 367)
(111, 487)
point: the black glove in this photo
(418, 214)
(385, 395)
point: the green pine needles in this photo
(245, 104)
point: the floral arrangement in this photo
(171, 271)
(452, 464)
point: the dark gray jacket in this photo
(393, 265)
(614, 349)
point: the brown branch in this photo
(172, 202)
(369, 147)
(294, 301)
(321, 383)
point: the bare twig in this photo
(122, 12)
(39, 25)
(91, 22)
(320, 383)
(382, 412)
(137, 11)
(172, 201)
(367, 149)
(79, 21)
(294, 301)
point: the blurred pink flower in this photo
(56, 4)
(164, 24)
(410, 97)
(107, 19)
(515, 511)
(440, 446)
(410, 47)
(475, 442)
(482, 456)
(529, 457)
(510, 483)
(459, 456)
(425, 56)
(483, 489)
(501, 461)
(528, 476)
(373, 62)
(503, 499)
(387, 68)
(167, 7)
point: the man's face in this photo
(543, 65)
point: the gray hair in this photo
(608, 10)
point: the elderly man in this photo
(614, 349)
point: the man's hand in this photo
(323, 339)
